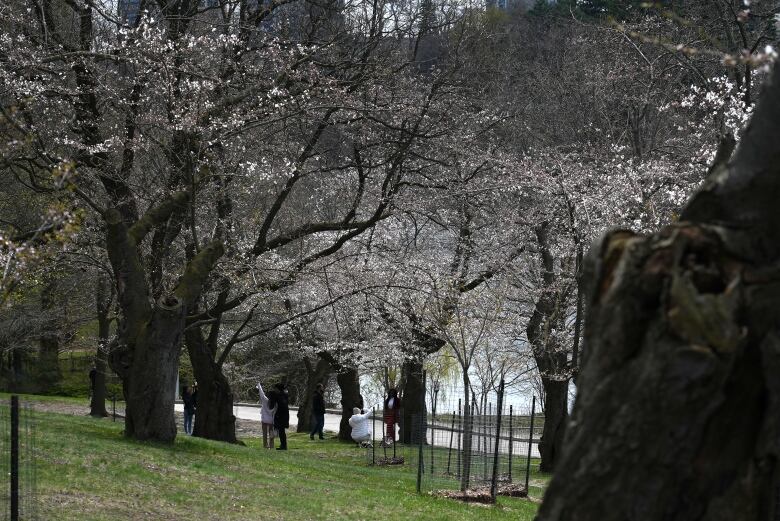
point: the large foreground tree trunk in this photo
(318, 373)
(678, 411)
(349, 384)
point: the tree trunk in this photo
(320, 373)
(48, 366)
(97, 404)
(556, 416)
(468, 427)
(349, 384)
(678, 408)
(214, 418)
(103, 299)
(146, 350)
(412, 403)
(150, 382)
(551, 360)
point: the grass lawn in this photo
(87, 470)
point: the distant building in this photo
(510, 5)
(129, 10)
(496, 4)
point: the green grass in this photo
(87, 470)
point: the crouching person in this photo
(361, 430)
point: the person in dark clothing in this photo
(92, 378)
(318, 411)
(190, 399)
(278, 398)
(392, 415)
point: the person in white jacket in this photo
(361, 429)
(267, 419)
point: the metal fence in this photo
(475, 452)
(18, 479)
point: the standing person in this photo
(92, 378)
(392, 415)
(188, 397)
(266, 418)
(280, 401)
(318, 411)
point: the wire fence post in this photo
(452, 436)
(422, 435)
(373, 436)
(460, 438)
(14, 458)
(530, 444)
(486, 440)
(433, 419)
(499, 405)
(511, 443)
(384, 434)
(113, 406)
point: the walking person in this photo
(280, 401)
(266, 419)
(392, 415)
(318, 411)
(189, 398)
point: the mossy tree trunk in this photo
(146, 349)
(678, 409)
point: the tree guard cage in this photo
(497, 459)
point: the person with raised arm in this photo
(266, 418)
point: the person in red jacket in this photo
(392, 415)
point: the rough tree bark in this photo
(551, 361)
(146, 349)
(214, 418)
(678, 411)
(315, 374)
(349, 383)
(97, 404)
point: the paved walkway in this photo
(332, 420)
(251, 412)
